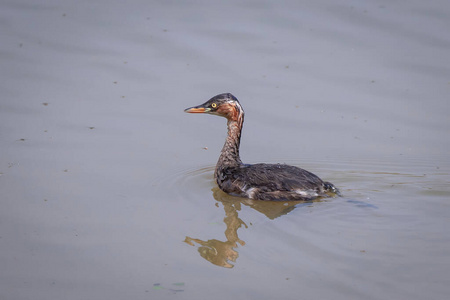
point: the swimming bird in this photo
(271, 182)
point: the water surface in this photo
(107, 188)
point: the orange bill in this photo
(196, 110)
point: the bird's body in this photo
(274, 182)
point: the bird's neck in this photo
(230, 151)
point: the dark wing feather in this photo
(276, 177)
(270, 182)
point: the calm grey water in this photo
(107, 188)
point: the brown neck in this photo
(230, 151)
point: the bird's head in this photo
(224, 105)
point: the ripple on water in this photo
(359, 180)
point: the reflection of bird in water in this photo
(271, 209)
(218, 252)
(215, 251)
(258, 181)
(221, 253)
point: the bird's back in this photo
(271, 182)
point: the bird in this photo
(261, 181)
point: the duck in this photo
(260, 181)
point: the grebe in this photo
(273, 182)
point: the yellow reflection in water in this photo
(223, 253)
